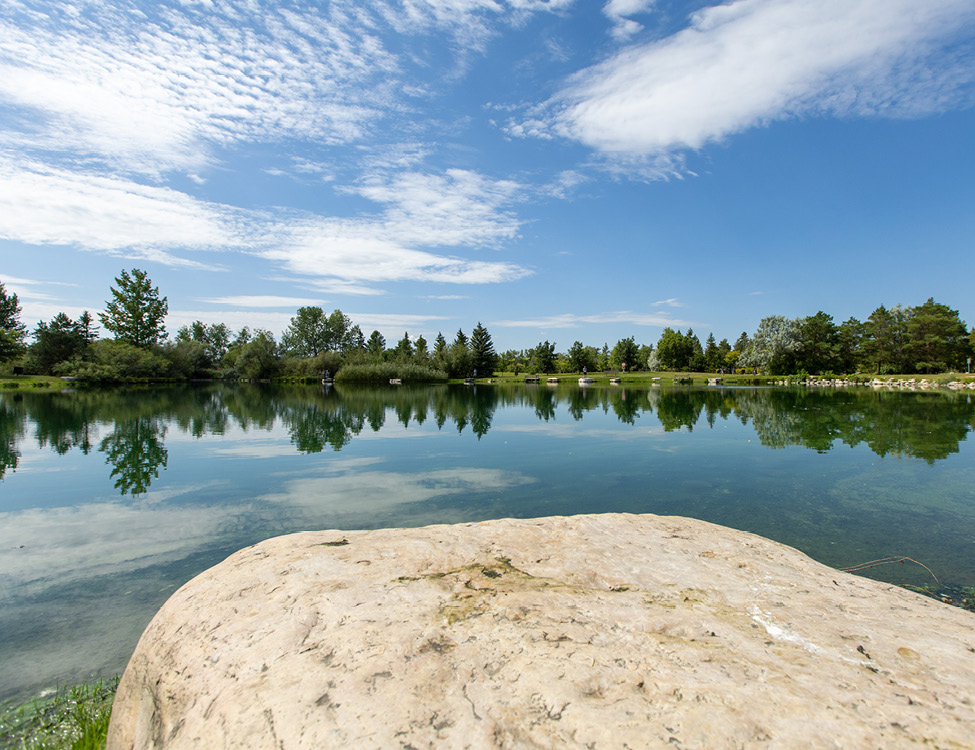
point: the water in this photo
(110, 500)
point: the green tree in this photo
(258, 358)
(89, 330)
(440, 352)
(625, 355)
(772, 348)
(673, 352)
(885, 339)
(341, 333)
(403, 351)
(937, 338)
(135, 314)
(308, 333)
(541, 358)
(459, 356)
(580, 356)
(695, 361)
(483, 357)
(376, 345)
(420, 352)
(56, 342)
(724, 349)
(819, 344)
(214, 339)
(712, 357)
(12, 331)
(850, 336)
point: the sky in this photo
(556, 170)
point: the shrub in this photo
(383, 372)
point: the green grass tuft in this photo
(74, 718)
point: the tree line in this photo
(928, 338)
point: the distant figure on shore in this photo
(585, 371)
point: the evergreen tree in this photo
(712, 356)
(12, 331)
(89, 330)
(459, 357)
(483, 357)
(850, 338)
(695, 359)
(937, 338)
(55, 343)
(819, 344)
(404, 349)
(440, 352)
(136, 312)
(376, 345)
(420, 349)
(885, 339)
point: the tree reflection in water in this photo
(136, 451)
(929, 426)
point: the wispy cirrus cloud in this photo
(751, 62)
(261, 300)
(571, 320)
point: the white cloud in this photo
(456, 209)
(262, 300)
(672, 302)
(45, 206)
(40, 205)
(750, 62)
(571, 320)
(619, 12)
(392, 320)
(152, 92)
(359, 491)
(453, 208)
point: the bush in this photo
(311, 367)
(117, 361)
(383, 372)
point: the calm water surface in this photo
(110, 500)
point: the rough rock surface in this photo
(605, 631)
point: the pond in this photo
(111, 499)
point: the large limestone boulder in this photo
(606, 631)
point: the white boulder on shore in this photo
(598, 631)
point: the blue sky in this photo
(558, 170)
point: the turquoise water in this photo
(110, 500)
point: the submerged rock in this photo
(600, 631)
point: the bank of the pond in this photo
(74, 718)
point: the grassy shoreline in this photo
(74, 717)
(663, 378)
